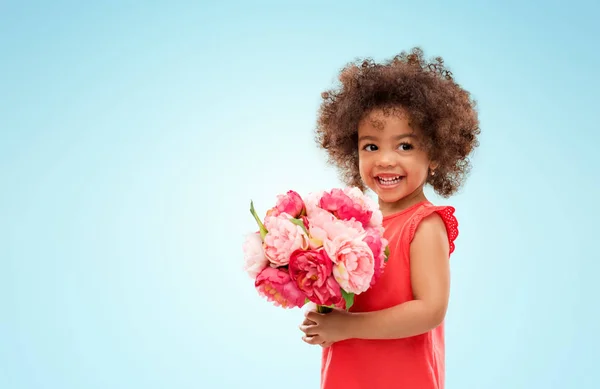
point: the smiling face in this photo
(392, 162)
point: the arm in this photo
(430, 278)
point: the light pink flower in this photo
(354, 264)
(377, 244)
(345, 207)
(277, 286)
(366, 203)
(324, 226)
(312, 271)
(283, 238)
(290, 203)
(312, 200)
(254, 255)
(318, 219)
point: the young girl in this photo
(393, 128)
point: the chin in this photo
(386, 196)
(389, 198)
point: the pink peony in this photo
(366, 202)
(345, 207)
(254, 255)
(312, 271)
(312, 201)
(341, 304)
(290, 203)
(277, 286)
(324, 226)
(283, 238)
(377, 245)
(354, 264)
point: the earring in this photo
(433, 173)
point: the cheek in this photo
(420, 166)
(363, 168)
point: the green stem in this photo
(323, 309)
(300, 223)
(261, 226)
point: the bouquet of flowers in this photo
(326, 248)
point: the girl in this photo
(393, 128)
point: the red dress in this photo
(410, 363)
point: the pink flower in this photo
(324, 226)
(354, 264)
(366, 203)
(341, 304)
(254, 255)
(283, 238)
(377, 245)
(312, 271)
(290, 203)
(345, 207)
(277, 286)
(312, 201)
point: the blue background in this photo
(134, 134)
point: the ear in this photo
(433, 165)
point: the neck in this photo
(408, 201)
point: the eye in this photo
(405, 146)
(370, 147)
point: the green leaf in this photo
(261, 226)
(300, 223)
(349, 297)
(387, 253)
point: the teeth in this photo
(389, 181)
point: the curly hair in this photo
(426, 90)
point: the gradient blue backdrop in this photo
(134, 134)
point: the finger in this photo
(314, 316)
(307, 322)
(309, 330)
(315, 340)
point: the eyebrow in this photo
(397, 137)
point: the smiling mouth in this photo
(389, 181)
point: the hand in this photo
(325, 328)
(311, 339)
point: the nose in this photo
(386, 159)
